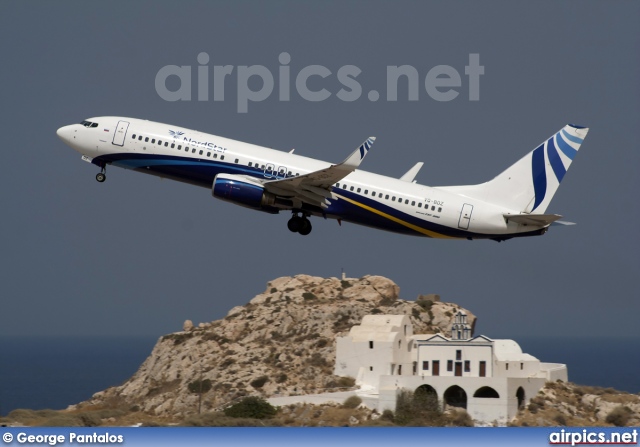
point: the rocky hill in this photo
(568, 404)
(281, 343)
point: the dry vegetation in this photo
(567, 404)
(557, 404)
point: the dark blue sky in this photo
(137, 255)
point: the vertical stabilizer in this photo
(529, 185)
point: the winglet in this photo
(410, 175)
(353, 161)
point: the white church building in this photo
(489, 378)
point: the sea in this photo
(55, 372)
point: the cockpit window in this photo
(89, 124)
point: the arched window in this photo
(486, 392)
(425, 396)
(455, 397)
(521, 397)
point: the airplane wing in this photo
(539, 220)
(315, 188)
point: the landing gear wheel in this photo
(101, 177)
(306, 227)
(295, 223)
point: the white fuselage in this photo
(362, 197)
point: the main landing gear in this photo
(299, 224)
(102, 175)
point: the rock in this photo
(286, 334)
(566, 401)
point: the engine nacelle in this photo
(243, 191)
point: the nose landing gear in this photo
(300, 225)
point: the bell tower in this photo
(460, 329)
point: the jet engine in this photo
(244, 191)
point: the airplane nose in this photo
(68, 135)
(64, 133)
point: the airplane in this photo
(513, 204)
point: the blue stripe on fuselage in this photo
(201, 172)
(195, 171)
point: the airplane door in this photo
(121, 132)
(465, 216)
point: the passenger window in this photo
(406, 201)
(439, 209)
(393, 199)
(140, 138)
(366, 191)
(289, 173)
(420, 205)
(166, 144)
(200, 152)
(373, 193)
(413, 203)
(208, 154)
(358, 190)
(146, 140)
(153, 141)
(173, 145)
(133, 136)
(193, 151)
(215, 155)
(387, 197)
(250, 164)
(222, 157)
(159, 143)
(237, 160)
(179, 147)
(433, 208)
(337, 185)
(351, 189)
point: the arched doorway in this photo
(486, 392)
(455, 397)
(521, 397)
(426, 397)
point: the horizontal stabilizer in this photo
(538, 220)
(410, 175)
(562, 223)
